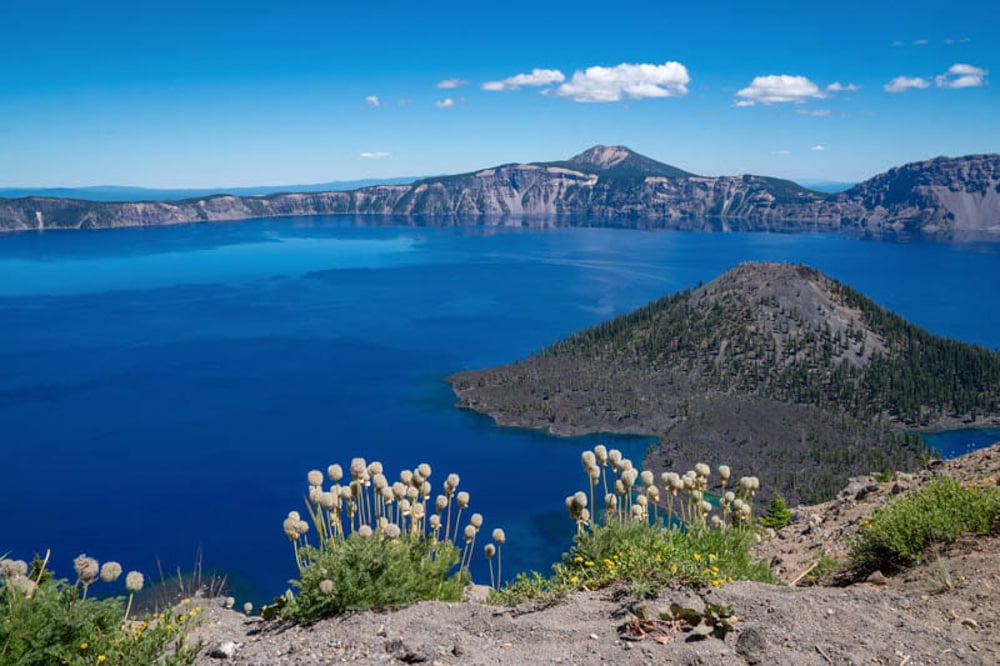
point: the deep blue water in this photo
(167, 389)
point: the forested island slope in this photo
(775, 369)
(603, 186)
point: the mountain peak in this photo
(603, 157)
(620, 161)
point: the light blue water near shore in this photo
(166, 388)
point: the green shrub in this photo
(377, 573)
(902, 532)
(777, 514)
(379, 544)
(703, 535)
(45, 622)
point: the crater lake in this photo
(165, 390)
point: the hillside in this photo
(945, 612)
(605, 185)
(774, 368)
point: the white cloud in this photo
(452, 83)
(815, 113)
(445, 103)
(958, 75)
(920, 42)
(406, 101)
(378, 155)
(373, 100)
(837, 86)
(897, 43)
(783, 151)
(538, 77)
(634, 81)
(778, 88)
(903, 83)
(817, 147)
(962, 76)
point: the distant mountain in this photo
(603, 186)
(772, 368)
(133, 194)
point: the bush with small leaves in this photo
(690, 529)
(378, 545)
(46, 621)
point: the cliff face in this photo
(938, 196)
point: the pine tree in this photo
(777, 514)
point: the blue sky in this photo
(215, 94)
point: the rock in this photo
(866, 491)
(752, 646)
(478, 593)
(970, 623)
(877, 578)
(223, 650)
(404, 652)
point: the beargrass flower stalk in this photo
(653, 494)
(470, 543)
(110, 571)
(133, 583)
(450, 484)
(614, 457)
(646, 477)
(501, 538)
(489, 551)
(335, 473)
(87, 570)
(326, 585)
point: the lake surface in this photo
(166, 389)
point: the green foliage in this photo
(904, 530)
(376, 573)
(379, 545)
(47, 623)
(777, 514)
(884, 476)
(637, 552)
(630, 544)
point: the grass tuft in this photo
(905, 530)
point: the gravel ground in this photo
(947, 612)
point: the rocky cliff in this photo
(605, 185)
